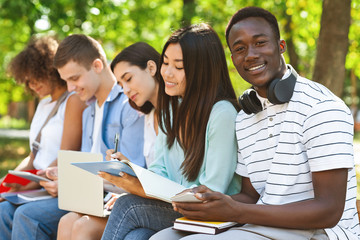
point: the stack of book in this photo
(196, 226)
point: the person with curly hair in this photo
(34, 68)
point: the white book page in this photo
(156, 186)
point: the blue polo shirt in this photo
(119, 117)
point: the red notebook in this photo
(15, 179)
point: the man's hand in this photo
(110, 204)
(215, 206)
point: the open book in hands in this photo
(154, 185)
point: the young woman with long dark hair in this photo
(196, 144)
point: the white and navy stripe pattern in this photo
(280, 146)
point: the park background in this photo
(322, 43)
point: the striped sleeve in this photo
(241, 168)
(328, 136)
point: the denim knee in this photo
(7, 211)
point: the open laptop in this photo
(79, 190)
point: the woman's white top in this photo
(51, 134)
(149, 138)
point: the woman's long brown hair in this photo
(207, 82)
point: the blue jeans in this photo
(35, 220)
(134, 217)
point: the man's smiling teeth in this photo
(256, 68)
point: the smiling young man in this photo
(81, 62)
(295, 149)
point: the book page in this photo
(185, 197)
(153, 184)
(156, 186)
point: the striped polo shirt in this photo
(282, 145)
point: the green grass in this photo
(13, 123)
(12, 152)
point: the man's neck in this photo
(108, 81)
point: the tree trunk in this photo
(293, 56)
(188, 12)
(332, 45)
(353, 107)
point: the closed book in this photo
(34, 195)
(18, 198)
(196, 226)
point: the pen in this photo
(116, 142)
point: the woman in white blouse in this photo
(33, 67)
(137, 70)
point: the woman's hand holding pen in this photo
(110, 155)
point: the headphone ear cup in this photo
(249, 102)
(271, 91)
(281, 90)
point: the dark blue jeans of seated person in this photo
(134, 217)
(35, 220)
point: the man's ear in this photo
(97, 65)
(151, 67)
(282, 46)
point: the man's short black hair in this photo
(253, 12)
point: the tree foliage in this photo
(119, 23)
